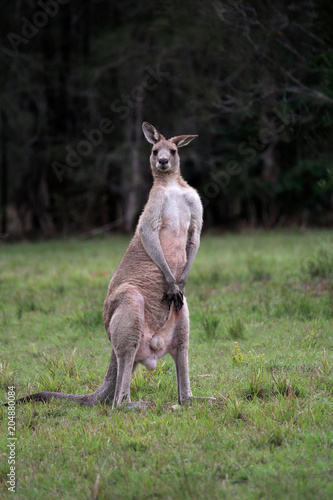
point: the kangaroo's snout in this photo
(163, 161)
(163, 164)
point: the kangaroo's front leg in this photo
(192, 245)
(149, 228)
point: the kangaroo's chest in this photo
(174, 230)
(176, 214)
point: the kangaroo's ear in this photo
(151, 134)
(182, 140)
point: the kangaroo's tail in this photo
(104, 394)
(44, 397)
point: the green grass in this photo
(261, 308)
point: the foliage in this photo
(320, 264)
(253, 79)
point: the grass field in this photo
(261, 307)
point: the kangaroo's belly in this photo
(173, 238)
(138, 270)
(154, 344)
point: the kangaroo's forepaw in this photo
(176, 296)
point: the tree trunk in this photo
(271, 169)
(131, 206)
(4, 173)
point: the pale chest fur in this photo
(175, 224)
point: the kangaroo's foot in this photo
(141, 405)
(199, 399)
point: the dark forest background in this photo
(253, 78)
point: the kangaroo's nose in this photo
(163, 161)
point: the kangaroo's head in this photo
(164, 158)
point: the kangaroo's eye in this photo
(155, 152)
(173, 152)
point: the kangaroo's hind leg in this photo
(180, 357)
(180, 354)
(126, 328)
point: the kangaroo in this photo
(145, 311)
